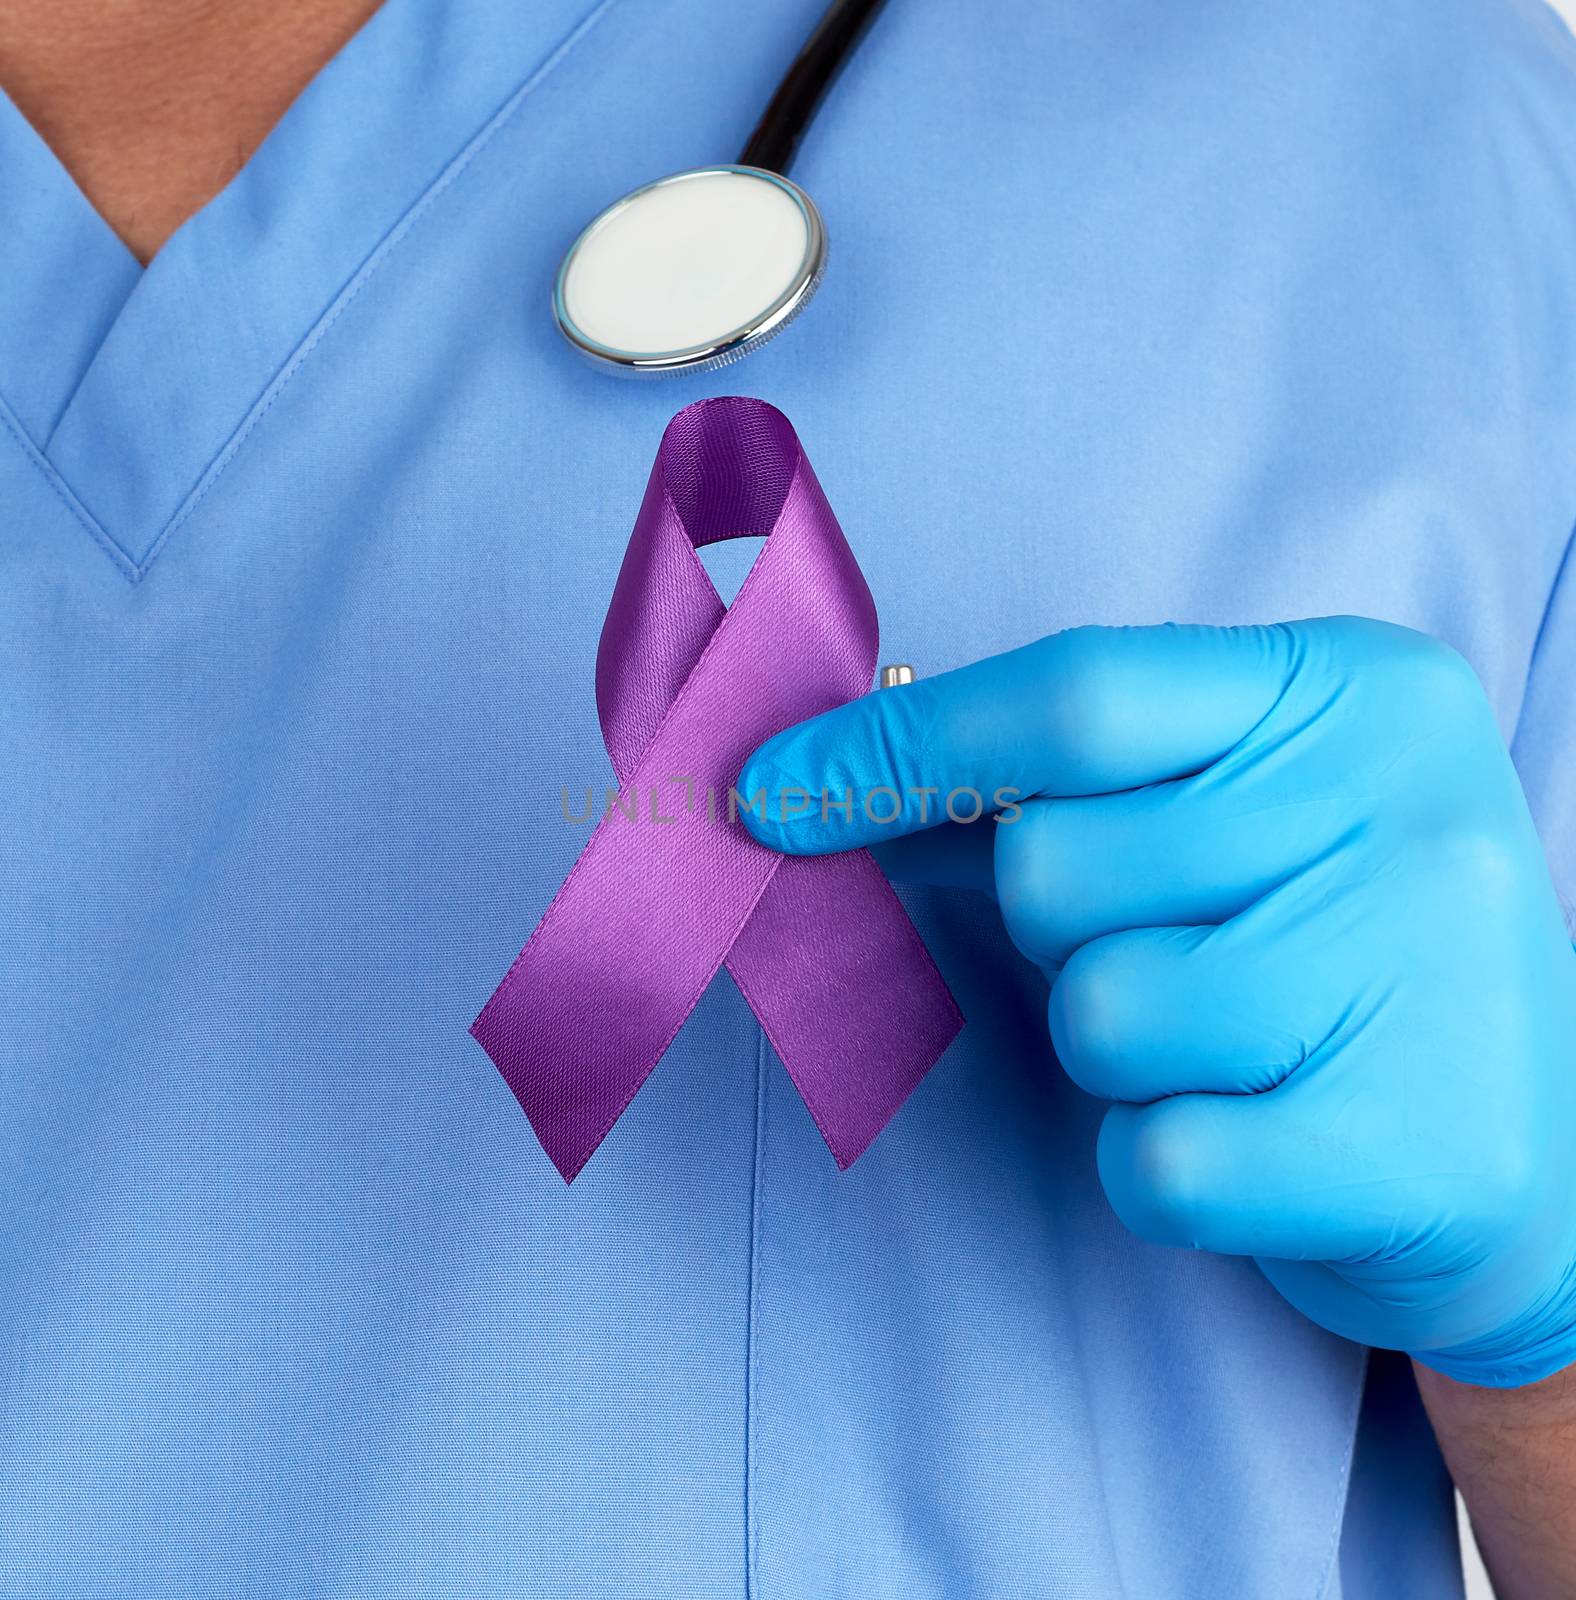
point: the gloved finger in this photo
(1090, 711)
(1359, 1301)
(952, 856)
(1068, 871)
(1177, 854)
(1152, 1012)
(1244, 1175)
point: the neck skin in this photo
(154, 105)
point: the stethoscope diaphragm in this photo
(704, 266)
(690, 272)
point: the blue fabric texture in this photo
(1136, 312)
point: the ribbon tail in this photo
(846, 992)
(616, 965)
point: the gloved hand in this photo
(1300, 932)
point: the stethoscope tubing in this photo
(792, 108)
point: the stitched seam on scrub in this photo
(1354, 1418)
(752, 1400)
(380, 253)
(79, 512)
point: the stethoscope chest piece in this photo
(692, 271)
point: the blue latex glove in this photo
(1300, 931)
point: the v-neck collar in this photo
(134, 386)
(64, 275)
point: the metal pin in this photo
(895, 676)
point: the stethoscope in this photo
(700, 268)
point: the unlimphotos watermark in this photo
(882, 806)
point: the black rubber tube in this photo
(799, 95)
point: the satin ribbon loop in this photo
(666, 893)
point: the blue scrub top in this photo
(1136, 311)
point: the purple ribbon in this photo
(820, 948)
